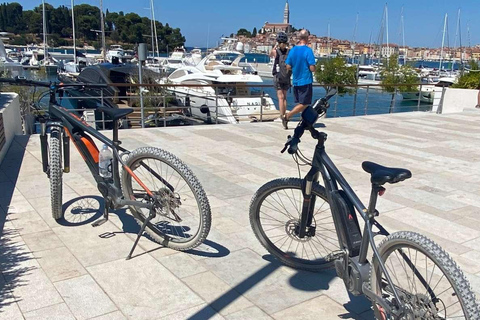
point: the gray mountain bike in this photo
(309, 226)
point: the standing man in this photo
(302, 62)
(281, 75)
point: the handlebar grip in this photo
(293, 145)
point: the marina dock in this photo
(74, 271)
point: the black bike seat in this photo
(381, 174)
(115, 114)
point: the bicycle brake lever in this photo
(289, 139)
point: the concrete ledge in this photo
(12, 122)
(458, 100)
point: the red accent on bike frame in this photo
(381, 192)
(74, 143)
(91, 147)
(134, 176)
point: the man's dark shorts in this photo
(280, 86)
(303, 94)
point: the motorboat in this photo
(430, 90)
(115, 52)
(224, 94)
(368, 74)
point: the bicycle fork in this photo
(305, 227)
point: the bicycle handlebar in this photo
(320, 106)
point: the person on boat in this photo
(302, 63)
(281, 76)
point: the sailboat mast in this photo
(353, 42)
(386, 19)
(102, 28)
(44, 34)
(151, 28)
(443, 40)
(155, 29)
(455, 43)
(74, 43)
(403, 41)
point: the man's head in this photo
(304, 35)
(282, 40)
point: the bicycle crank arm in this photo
(374, 298)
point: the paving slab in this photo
(67, 269)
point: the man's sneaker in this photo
(284, 121)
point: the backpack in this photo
(283, 76)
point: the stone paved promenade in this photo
(67, 271)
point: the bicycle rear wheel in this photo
(55, 173)
(183, 218)
(275, 213)
(429, 282)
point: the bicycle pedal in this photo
(99, 222)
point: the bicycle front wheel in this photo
(428, 281)
(275, 213)
(183, 216)
(55, 173)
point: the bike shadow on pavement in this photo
(207, 249)
(14, 255)
(300, 280)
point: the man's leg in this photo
(281, 101)
(303, 97)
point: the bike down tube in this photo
(332, 169)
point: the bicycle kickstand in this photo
(105, 215)
(151, 215)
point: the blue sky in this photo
(423, 18)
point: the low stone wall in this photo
(10, 121)
(458, 100)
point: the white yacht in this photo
(431, 90)
(227, 93)
(115, 51)
(368, 75)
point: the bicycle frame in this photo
(355, 252)
(75, 128)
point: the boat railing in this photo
(364, 99)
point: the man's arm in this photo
(273, 53)
(311, 60)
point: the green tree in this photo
(469, 80)
(244, 32)
(254, 32)
(334, 71)
(394, 75)
(398, 78)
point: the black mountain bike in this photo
(313, 227)
(161, 192)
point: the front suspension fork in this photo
(307, 207)
(44, 145)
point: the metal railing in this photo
(163, 107)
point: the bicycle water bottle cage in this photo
(381, 175)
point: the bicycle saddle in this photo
(381, 175)
(115, 114)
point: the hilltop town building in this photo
(279, 27)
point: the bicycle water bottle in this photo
(104, 162)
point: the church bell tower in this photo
(286, 14)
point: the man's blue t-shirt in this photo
(300, 58)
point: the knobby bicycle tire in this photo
(406, 241)
(55, 172)
(157, 231)
(286, 186)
